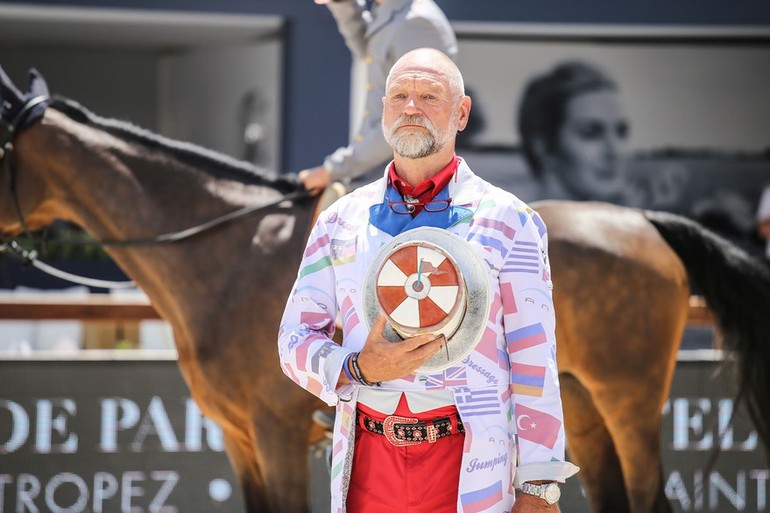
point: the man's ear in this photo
(465, 112)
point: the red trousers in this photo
(420, 478)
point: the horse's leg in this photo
(635, 418)
(635, 423)
(249, 478)
(282, 443)
(591, 448)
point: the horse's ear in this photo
(37, 84)
(9, 94)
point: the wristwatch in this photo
(550, 492)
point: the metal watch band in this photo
(549, 492)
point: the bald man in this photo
(458, 440)
(378, 37)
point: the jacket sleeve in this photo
(348, 15)
(307, 354)
(529, 325)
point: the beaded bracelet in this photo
(357, 371)
(346, 367)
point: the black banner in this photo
(108, 436)
(125, 436)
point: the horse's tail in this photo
(736, 288)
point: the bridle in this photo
(12, 246)
(7, 152)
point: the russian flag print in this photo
(485, 498)
(526, 337)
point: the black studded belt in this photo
(401, 431)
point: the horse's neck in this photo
(118, 190)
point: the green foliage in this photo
(62, 241)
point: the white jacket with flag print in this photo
(506, 390)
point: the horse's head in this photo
(18, 111)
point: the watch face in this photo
(552, 493)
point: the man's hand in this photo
(526, 503)
(315, 179)
(382, 360)
(764, 228)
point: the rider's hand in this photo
(382, 360)
(315, 179)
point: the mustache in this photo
(414, 119)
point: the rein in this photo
(12, 246)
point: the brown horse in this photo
(621, 296)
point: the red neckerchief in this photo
(426, 190)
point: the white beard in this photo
(413, 143)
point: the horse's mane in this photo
(217, 164)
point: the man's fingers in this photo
(379, 324)
(423, 353)
(413, 343)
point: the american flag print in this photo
(523, 258)
(478, 401)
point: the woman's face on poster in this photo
(590, 152)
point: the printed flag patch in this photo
(485, 498)
(477, 402)
(526, 337)
(537, 426)
(527, 379)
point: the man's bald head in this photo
(431, 61)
